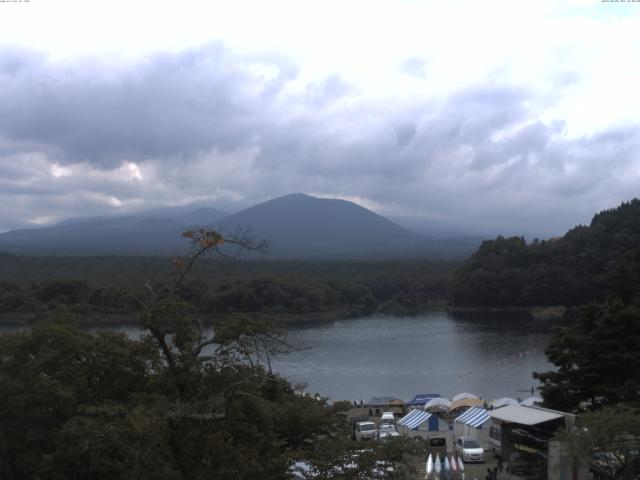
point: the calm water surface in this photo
(489, 354)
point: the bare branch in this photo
(151, 290)
(266, 352)
(204, 344)
(186, 270)
(126, 292)
(160, 337)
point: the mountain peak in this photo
(300, 224)
(295, 195)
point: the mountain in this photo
(589, 263)
(201, 216)
(152, 232)
(188, 215)
(301, 225)
(297, 226)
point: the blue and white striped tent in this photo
(475, 423)
(474, 417)
(419, 420)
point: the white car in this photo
(469, 450)
(366, 431)
(387, 430)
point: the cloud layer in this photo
(88, 136)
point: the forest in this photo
(588, 264)
(32, 288)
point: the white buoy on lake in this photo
(429, 467)
(461, 467)
(447, 465)
(437, 465)
(454, 467)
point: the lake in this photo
(490, 354)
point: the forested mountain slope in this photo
(589, 263)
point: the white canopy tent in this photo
(464, 395)
(465, 403)
(438, 403)
(503, 402)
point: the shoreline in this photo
(549, 313)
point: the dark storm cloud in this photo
(169, 105)
(206, 124)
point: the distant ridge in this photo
(153, 232)
(297, 225)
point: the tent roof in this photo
(503, 402)
(525, 415)
(531, 401)
(462, 395)
(438, 402)
(466, 402)
(422, 398)
(414, 418)
(474, 417)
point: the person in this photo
(489, 475)
(495, 473)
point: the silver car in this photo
(469, 450)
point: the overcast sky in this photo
(479, 116)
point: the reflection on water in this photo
(490, 354)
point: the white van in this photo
(388, 417)
(366, 431)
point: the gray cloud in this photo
(208, 125)
(166, 106)
(414, 66)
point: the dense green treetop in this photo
(184, 402)
(590, 263)
(608, 440)
(597, 359)
(98, 405)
